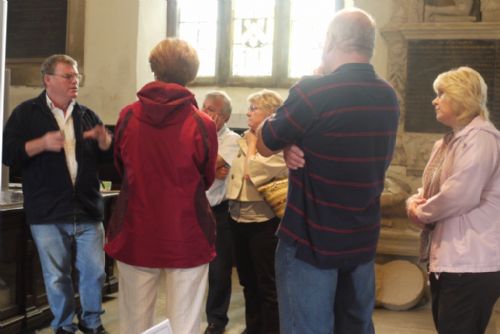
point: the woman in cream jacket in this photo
(253, 221)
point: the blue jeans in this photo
(326, 301)
(54, 243)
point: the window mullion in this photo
(223, 42)
(281, 41)
(172, 18)
(339, 4)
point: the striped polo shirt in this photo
(346, 124)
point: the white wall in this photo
(111, 32)
(381, 11)
(152, 29)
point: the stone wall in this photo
(398, 237)
(407, 24)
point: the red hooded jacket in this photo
(165, 149)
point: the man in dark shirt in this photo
(57, 144)
(338, 130)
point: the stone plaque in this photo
(428, 58)
(36, 28)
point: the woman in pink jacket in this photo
(458, 207)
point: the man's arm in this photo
(228, 149)
(261, 146)
(294, 157)
(19, 146)
(213, 147)
(221, 168)
(51, 141)
(101, 135)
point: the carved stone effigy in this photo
(392, 201)
(410, 11)
(490, 10)
(456, 11)
(399, 285)
(397, 236)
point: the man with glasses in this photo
(217, 105)
(57, 143)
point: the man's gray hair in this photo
(352, 30)
(219, 94)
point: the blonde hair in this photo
(267, 100)
(174, 60)
(467, 91)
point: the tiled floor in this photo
(415, 321)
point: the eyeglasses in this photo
(69, 76)
(210, 110)
(252, 108)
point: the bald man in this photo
(338, 131)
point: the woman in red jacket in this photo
(163, 231)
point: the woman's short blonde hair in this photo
(174, 61)
(467, 92)
(267, 100)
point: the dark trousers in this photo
(255, 245)
(220, 269)
(462, 302)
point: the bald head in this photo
(351, 31)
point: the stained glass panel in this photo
(253, 37)
(198, 26)
(308, 26)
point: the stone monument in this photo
(490, 10)
(454, 11)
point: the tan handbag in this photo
(275, 193)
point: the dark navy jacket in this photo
(49, 195)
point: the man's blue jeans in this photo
(54, 243)
(323, 301)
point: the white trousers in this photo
(138, 291)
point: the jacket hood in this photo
(163, 104)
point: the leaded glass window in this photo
(253, 42)
(198, 26)
(253, 37)
(307, 35)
